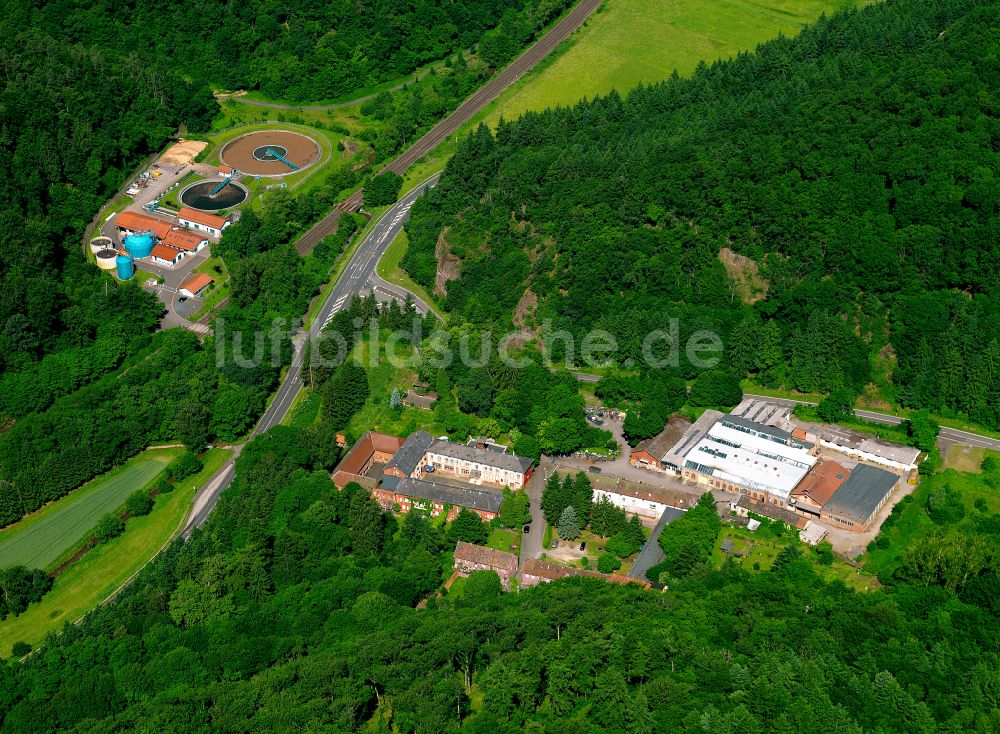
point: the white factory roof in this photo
(752, 460)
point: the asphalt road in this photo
(462, 114)
(946, 435)
(651, 552)
(358, 276)
(531, 544)
(950, 435)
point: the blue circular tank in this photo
(139, 245)
(125, 266)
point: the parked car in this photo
(583, 546)
(527, 529)
(555, 543)
(594, 469)
(182, 299)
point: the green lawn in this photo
(215, 268)
(502, 539)
(48, 534)
(629, 42)
(388, 268)
(105, 568)
(304, 410)
(910, 522)
(377, 414)
(762, 547)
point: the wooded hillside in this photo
(296, 51)
(829, 204)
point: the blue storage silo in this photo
(139, 245)
(126, 268)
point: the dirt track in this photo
(465, 112)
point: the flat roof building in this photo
(673, 459)
(765, 412)
(739, 455)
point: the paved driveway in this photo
(531, 544)
(651, 553)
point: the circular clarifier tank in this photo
(199, 196)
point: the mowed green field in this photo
(628, 42)
(633, 41)
(105, 568)
(41, 539)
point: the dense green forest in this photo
(829, 205)
(88, 94)
(294, 609)
(296, 51)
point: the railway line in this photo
(462, 114)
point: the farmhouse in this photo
(435, 498)
(649, 453)
(424, 401)
(195, 285)
(868, 448)
(857, 502)
(212, 224)
(739, 455)
(470, 557)
(407, 461)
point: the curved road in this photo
(335, 105)
(465, 111)
(358, 276)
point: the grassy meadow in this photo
(103, 569)
(628, 42)
(41, 539)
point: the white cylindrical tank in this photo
(101, 243)
(106, 259)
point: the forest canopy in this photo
(828, 204)
(296, 51)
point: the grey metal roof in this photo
(765, 429)
(411, 453)
(691, 436)
(481, 456)
(858, 497)
(472, 497)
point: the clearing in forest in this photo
(41, 539)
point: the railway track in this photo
(462, 114)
